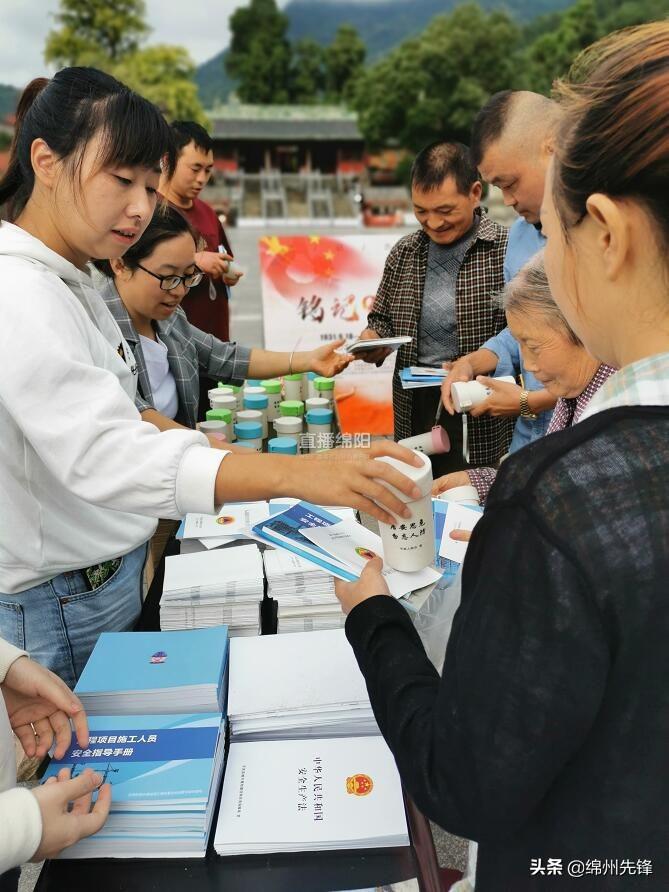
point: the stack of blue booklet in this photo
(165, 772)
(284, 530)
(415, 376)
(156, 672)
(161, 743)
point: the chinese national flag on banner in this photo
(318, 288)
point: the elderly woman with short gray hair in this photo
(551, 351)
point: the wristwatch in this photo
(525, 411)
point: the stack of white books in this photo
(310, 795)
(304, 593)
(303, 685)
(214, 587)
(156, 672)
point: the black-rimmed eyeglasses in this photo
(169, 283)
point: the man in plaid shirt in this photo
(439, 286)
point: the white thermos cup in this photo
(467, 394)
(434, 442)
(408, 543)
(462, 495)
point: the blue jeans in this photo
(59, 621)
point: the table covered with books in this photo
(302, 751)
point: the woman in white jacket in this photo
(82, 477)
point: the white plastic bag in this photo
(433, 623)
(434, 619)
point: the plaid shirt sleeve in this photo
(220, 359)
(142, 404)
(482, 479)
(380, 319)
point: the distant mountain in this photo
(382, 24)
(9, 96)
(213, 82)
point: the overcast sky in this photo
(199, 25)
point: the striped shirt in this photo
(641, 383)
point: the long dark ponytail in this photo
(71, 108)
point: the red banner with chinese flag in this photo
(317, 288)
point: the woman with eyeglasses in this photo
(144, 290)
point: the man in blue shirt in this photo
(512, 147)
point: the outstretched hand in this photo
(40, 706)
(67, 815)
(370, 584)
(328, 363)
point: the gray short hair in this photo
(529, 292)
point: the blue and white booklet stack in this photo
(165, 772)
(156, 672)
(417, 376)
(161, 744)
(336, 545)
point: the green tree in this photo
(165, 76)
(259, 57)
(613, 14)
(307, 72)
(108, 36)
(91, 29)
(344, 60)
(432, 85)
(551, 54)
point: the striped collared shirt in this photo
(641, 383)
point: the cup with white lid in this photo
(408, 543)
(468, 394)
(462, 495)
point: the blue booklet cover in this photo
(151, 761)
(406, 375)
(288, 525)
(140, 661)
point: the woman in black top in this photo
(546, 738)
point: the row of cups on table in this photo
(246, 415)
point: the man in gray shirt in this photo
(438, 324)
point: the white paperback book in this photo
(231, 521)
(232, 570)
(458, 517)
(394, 343)
(310, 795)
(310, 681)
(353, 545)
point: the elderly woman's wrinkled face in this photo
(564, 368)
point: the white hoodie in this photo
(82, 477)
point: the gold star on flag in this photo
(274, 246)
(315, 239)
(329, 255)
